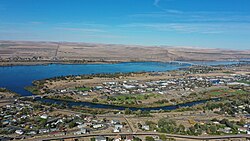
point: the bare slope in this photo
(23, 51)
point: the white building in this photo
(145, 127)
(44, 116)
(97, 126)
(20, 132)
(100, 138)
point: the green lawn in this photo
(83, 88)
(136, 96)
(226, 91)
(32, 89)
(244, 81)
(121, 99)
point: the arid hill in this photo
(26, 51)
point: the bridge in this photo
(38, 96)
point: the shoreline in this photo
(31, 63)
(80, 62)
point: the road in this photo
(148, 134)
(55, 57)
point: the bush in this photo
(148, 138)
(95, 100)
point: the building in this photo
(20, 132)
(97, 126)
(145, 127)
(129, 138)
(100, 138)
(118, 138)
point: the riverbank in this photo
(48, 62)
(5, 63)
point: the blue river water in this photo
(104, 106)
(15, 78)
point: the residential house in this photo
(100, 138)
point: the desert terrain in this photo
(29, 52)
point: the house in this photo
(32, 133)
(128, 86)
(97, 126)
(63, 91)
(88, 123)
(98, 87)
(145, 127)
(118, 138)
(20, 132)
(41, 131)
(117, 130)
(100, 138)
(242, 129)
(247, 125)
(115, 121)
(118, 126)
(81, 126)
(226, 130)
(129, 138)
(44, 116)
(82, 131)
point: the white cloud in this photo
(173, 11)
(206, 28)
(80, 29)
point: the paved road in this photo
(151, 133)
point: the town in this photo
(31, 119)
(146, 89)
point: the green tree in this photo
(72, 124)
(181, 129)
(95, 100)
(149, 138)
(163, 137)
(213, 129)
(137, 139)
(127, 111)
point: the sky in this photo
(192, 23)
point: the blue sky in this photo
(197, 23)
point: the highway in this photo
(245, 136)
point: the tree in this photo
(181, 129)
(95, 100)
(72, 124)
(43, 122)
(136, 139)
(127, 111)
(139, 125)
(191, 130)
(167, 125)
(213, 129)
(163, 137)
(139, 112)
(149, 138)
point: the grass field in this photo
(32, 89)
(83, 88)
(225, 92)
(244, 81)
